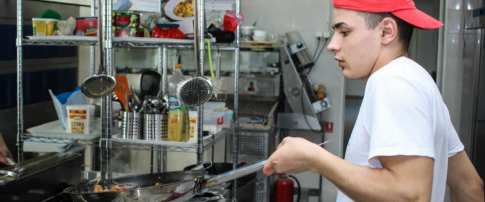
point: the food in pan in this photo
(99, 189)
(184, 9)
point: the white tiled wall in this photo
(307, 16)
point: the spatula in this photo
(122, 90)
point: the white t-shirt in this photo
(403, 113)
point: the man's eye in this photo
(344, 33)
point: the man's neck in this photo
(386, 56)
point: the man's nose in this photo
(333, 46)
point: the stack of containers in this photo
(127, 24)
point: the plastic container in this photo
(178, 116)
(80, 118)
(213, 118)
(44, 26)
(227, 118)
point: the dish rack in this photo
(105, 139)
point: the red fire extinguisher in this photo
(283, 189)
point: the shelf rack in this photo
(105, 142)
(125, 43)
(86, 142)
(161, 146)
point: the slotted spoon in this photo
(100, 84)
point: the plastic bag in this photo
(216, 18)
(64, 99)
(231, 21)
(172, 33)
(149, 20)
(66, 28)
(123, 5)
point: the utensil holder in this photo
(155, 127)
(126, 125)
(131, 125)
(137, 130)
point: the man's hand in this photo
(4, 152)
(291, 157)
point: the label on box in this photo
(77, 121)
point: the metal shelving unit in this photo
(106, 142)
(187, 147)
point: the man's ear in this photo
(388, 30)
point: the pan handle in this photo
(234, 174)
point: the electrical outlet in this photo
(326, 34)
(318, 34)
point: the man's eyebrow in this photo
(337, 25)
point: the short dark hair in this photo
(405, 30)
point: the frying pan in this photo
(175, 186)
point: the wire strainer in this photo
(196, 90)
(100, 84)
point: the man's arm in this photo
(402, 178)
(464, 181)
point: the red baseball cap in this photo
(403, 9)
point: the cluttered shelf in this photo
(118, 42)
(190, 147)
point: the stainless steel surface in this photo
(236, 96)
(234, 174)
(266, 87)
(475, 17)
(10, 161)
(93, 48)
(41, 178)
(472, 119)
(297, 121)
(155, 127)
(33, 166)
(321, 144)
(175, 186)
(194, 91)
(298, 48)
(200, 138)
(20, 101)
(297, 97)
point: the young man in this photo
(403, 146)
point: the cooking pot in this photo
(174, 186)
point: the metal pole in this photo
(106, 108)
(93, 52)
(160, 94)
(93, 70)
(236, 100)
(20, 100)
(199, 47)
(164, 93)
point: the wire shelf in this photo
(53, 42)
(134, 44)
(190, 148)
(124, 43)
(60, 140)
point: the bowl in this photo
(259, 38)
(259, 33)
